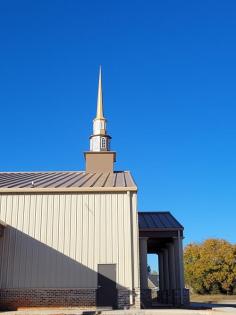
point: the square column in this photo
(146, 298)
(143, 263)
(166, 270)
(172, 271)
(179, 264)
(161, 297)
(181, 295)
(161, 271)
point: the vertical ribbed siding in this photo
(57, 240)
(135, 231)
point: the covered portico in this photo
(161, 234)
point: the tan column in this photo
(166, 270)
(161, 271)
(171, 260)
(143, 263)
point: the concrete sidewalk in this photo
(76, 311)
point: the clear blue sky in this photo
(169, 75)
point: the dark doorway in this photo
(107, 292)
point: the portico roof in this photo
(159, 224)
(158, 221)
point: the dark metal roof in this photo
(158, 221)
(65, 179)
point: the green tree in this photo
(210, 267)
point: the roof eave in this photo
(66, 190)
(161, 229)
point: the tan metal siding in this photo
(136, 272)
(57, 240)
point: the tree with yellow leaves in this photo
(210, 267)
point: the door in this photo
(107, 292)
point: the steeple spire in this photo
(100, 158)
(100, 99)
(100, 140)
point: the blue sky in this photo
(169, 72)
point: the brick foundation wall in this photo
(186, 296)
(174, 297)
(177, 297)
(146, 298)
(136, 298)
(123, 298)
(14, 298)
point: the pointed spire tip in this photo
(100, 98)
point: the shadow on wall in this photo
(34, 274)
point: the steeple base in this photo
(100, 161)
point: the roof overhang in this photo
(67, 190)
(159, 224)
(161, 233)
(66, 182)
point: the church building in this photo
(76, 238)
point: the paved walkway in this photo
(75, 311)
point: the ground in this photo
(218, 303)
(200, 305)
(74, 311)
(212, 298)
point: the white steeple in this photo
(99, 141)
(100, 99)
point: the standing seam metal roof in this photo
(66, 179)
(157, 220)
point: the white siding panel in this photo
(109, 239)
(102, 237)
(114, 228)
(97, 228)
(57, 240)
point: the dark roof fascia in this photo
(161, 234)
(161, 229)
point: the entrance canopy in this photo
(161, 234)
(159, 226)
